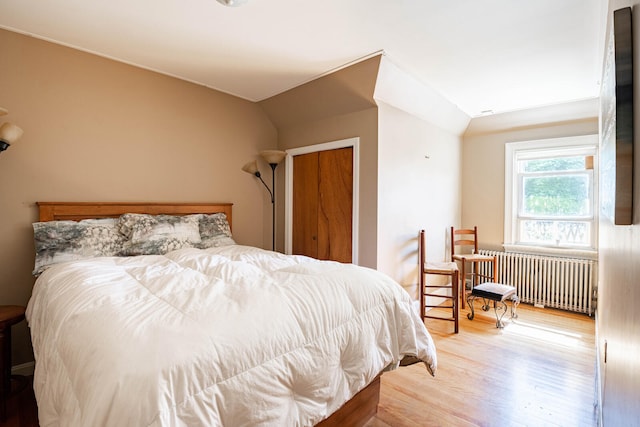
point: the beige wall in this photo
(618, 316)
(362, 124)
(335, 107)
(483, 159)
(98, 130)
(418, 188)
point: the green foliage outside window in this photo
(564, 195)
(554, 164)
(556, 195)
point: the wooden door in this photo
(323, 204)
(305, 205)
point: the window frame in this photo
(525, 150)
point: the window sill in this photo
(559, 252)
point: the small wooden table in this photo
(9, 316)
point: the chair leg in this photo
(421, 296)
(495, 269)
(455, 298)
(463, 285)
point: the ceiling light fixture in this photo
(232, 3)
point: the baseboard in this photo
(25, 369)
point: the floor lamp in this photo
(273, 157)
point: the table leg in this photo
(5, 370)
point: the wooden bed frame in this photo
(354, 413)
(58, 211)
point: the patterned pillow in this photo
(158, 234)
(214, 231)
(62, 241)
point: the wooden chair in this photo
(464, 248)
(426, 290)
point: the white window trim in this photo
(512, 149)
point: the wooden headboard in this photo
(58, 211)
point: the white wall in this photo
(419, 142)
(414, 192)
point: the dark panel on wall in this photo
(617, 122)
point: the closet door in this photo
(305, 205)
(336, 204)
(322, 204)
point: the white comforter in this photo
(233, 336)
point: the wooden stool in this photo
(498, 293)
(9, 316)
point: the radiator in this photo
(564, 283)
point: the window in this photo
(551, 195)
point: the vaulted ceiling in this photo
(482, 55)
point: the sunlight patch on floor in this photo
(544, 333)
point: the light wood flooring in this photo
(537, 371)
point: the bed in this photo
(199, 334)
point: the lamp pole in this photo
(273, 205)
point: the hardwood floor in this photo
(538, 371)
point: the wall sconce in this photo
(273, 157)
(9, 133)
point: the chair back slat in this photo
(469, 238)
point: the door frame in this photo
(354, 143)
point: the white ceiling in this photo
(499, 55)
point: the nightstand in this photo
(9, 316)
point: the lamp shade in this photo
(273, 157)
(10, 133)
(251, 167)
